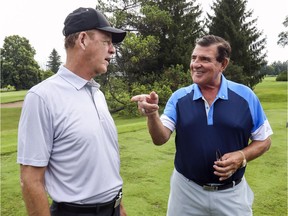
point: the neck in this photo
(210, 92)
(79, 69)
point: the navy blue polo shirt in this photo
(227, 125)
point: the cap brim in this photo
(118, 35)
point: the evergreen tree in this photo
(283, 36)
(19, 68)
(54, 61)
(176, 24)
(233, 22)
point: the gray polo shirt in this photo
(63, 128)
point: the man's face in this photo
(205, 69)
(99, 51)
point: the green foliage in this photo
(19, 67)
(283, 36)
(46, 74)
(282, 76)
(138, 57)
(162, 34)
(8, 88)
(118, 93)
(179, 32)
(54, 61)
(234, 72)
(175, 77)
(246, 41)
(275, 68)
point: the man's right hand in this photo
(147, 103)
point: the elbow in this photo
(158, 142)
(268, 143)
(160, 139)
(160, 135)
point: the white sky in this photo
(41, 22)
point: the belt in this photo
(90, 208)
(217, 187)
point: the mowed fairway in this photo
(146, 168)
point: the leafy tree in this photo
(279, 66)
(19, 67)
(175, 77)
(138, 54)
(233, 22)
(46, 74)
(162, 34)
(283, 36)
(275, 68)
(269, 70)
(54, 61)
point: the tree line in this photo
(157, 50)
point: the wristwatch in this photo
(244, 162)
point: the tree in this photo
(233, 22)
(160, 39)
(279, 66)
(162, 34)
(46, 74)
(54, 61)
(283, 36)
(19, 68)
(176, 24)
(275, 68)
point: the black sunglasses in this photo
(218, 155)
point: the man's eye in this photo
(107, 43)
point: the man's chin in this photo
(99, 72)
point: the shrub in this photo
(8, 88)
(282, 76)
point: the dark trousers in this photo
(57, 209)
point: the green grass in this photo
(13, 96)
(146, 168)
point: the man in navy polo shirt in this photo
(215, 119)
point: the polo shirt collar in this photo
(75, 80)
(222, 93)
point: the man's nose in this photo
(195, 63)
(112, 49)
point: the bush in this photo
(282, 76)
(8, 88)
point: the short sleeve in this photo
(35, 133)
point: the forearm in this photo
(122, 210)
(33, 190)
(256, 149)
(36, 200)
(159, 133)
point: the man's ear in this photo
(81, 40)
(225, 63)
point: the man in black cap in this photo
(67, 139)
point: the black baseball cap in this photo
(83, 19)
